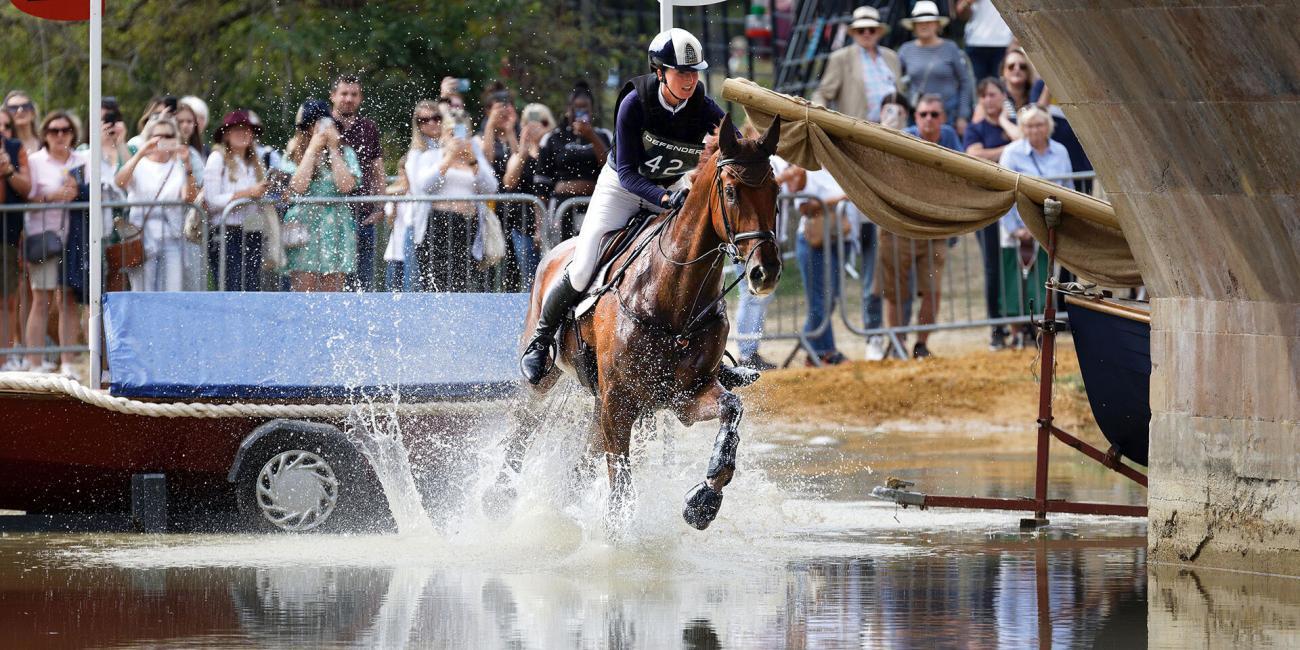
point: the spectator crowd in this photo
(286, 218)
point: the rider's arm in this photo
(628, 154)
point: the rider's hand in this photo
(676, 199)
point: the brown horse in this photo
(657, 338)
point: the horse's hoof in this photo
(498, 501)
(702, 506)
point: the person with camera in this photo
(320, 239)
(361, 135)
(523, 174)
(573, 154)
(500, 137)
(445, 251)
(46, 238)
(233, 172)
(160, 171)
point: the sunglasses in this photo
(16, 108)
(865, 30)
(59, 130)
(929, 114)
(1017, 66)
(436, 119)
(165, 136)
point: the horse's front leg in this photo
(704, 501)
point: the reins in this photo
(727, 248)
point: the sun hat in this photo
(867, 17)
(235, 119)
(925, 11)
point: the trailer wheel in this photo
(292, 485)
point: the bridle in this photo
(733, 237)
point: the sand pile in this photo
(993, 387)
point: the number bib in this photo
(667, 160)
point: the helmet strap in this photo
(663, 80)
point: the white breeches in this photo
(610, 209)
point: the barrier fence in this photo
(847, 268)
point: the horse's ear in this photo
(727, 143)
(768, 143)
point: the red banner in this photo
(56, 9)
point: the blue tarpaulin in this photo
(312, 345)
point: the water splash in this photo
(376, 431)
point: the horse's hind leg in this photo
(704, 501)
(616, 421)
(584, 470)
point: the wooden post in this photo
(981, 172)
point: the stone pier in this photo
(1190, 110)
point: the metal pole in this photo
(96, 196)
(665, 15)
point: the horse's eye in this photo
(730, 192)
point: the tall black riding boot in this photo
(537, 356)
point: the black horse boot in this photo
(536, 361)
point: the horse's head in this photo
(744, 210)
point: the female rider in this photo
(659, 135)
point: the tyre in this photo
(295, 485)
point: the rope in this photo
(34, 383)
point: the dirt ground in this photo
(974, 386)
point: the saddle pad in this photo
(312, 345)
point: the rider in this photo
(659, 134)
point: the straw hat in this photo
(867, 17)
(925, 11)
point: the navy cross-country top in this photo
(654, 145)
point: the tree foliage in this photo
(269, 55)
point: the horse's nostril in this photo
(756, 275)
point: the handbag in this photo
(272, 248)
(494, 240)
(294, 234)
(128, 251)
(42, 247)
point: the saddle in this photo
(612, 246)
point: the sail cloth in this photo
(918, 189)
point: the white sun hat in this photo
(867, 17)
(925, 11)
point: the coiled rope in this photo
(26, 382)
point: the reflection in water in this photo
(796, 561)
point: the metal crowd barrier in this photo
(962, 303)
(378, 262)
(15, 307)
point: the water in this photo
(798, 558)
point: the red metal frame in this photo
(1040, 505)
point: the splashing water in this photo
(375, 430)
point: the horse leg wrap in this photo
(736, 376)
(702, 505)
(722, 464)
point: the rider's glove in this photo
(677, 199)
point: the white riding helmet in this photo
(677, 48)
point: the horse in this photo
(652, 343)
